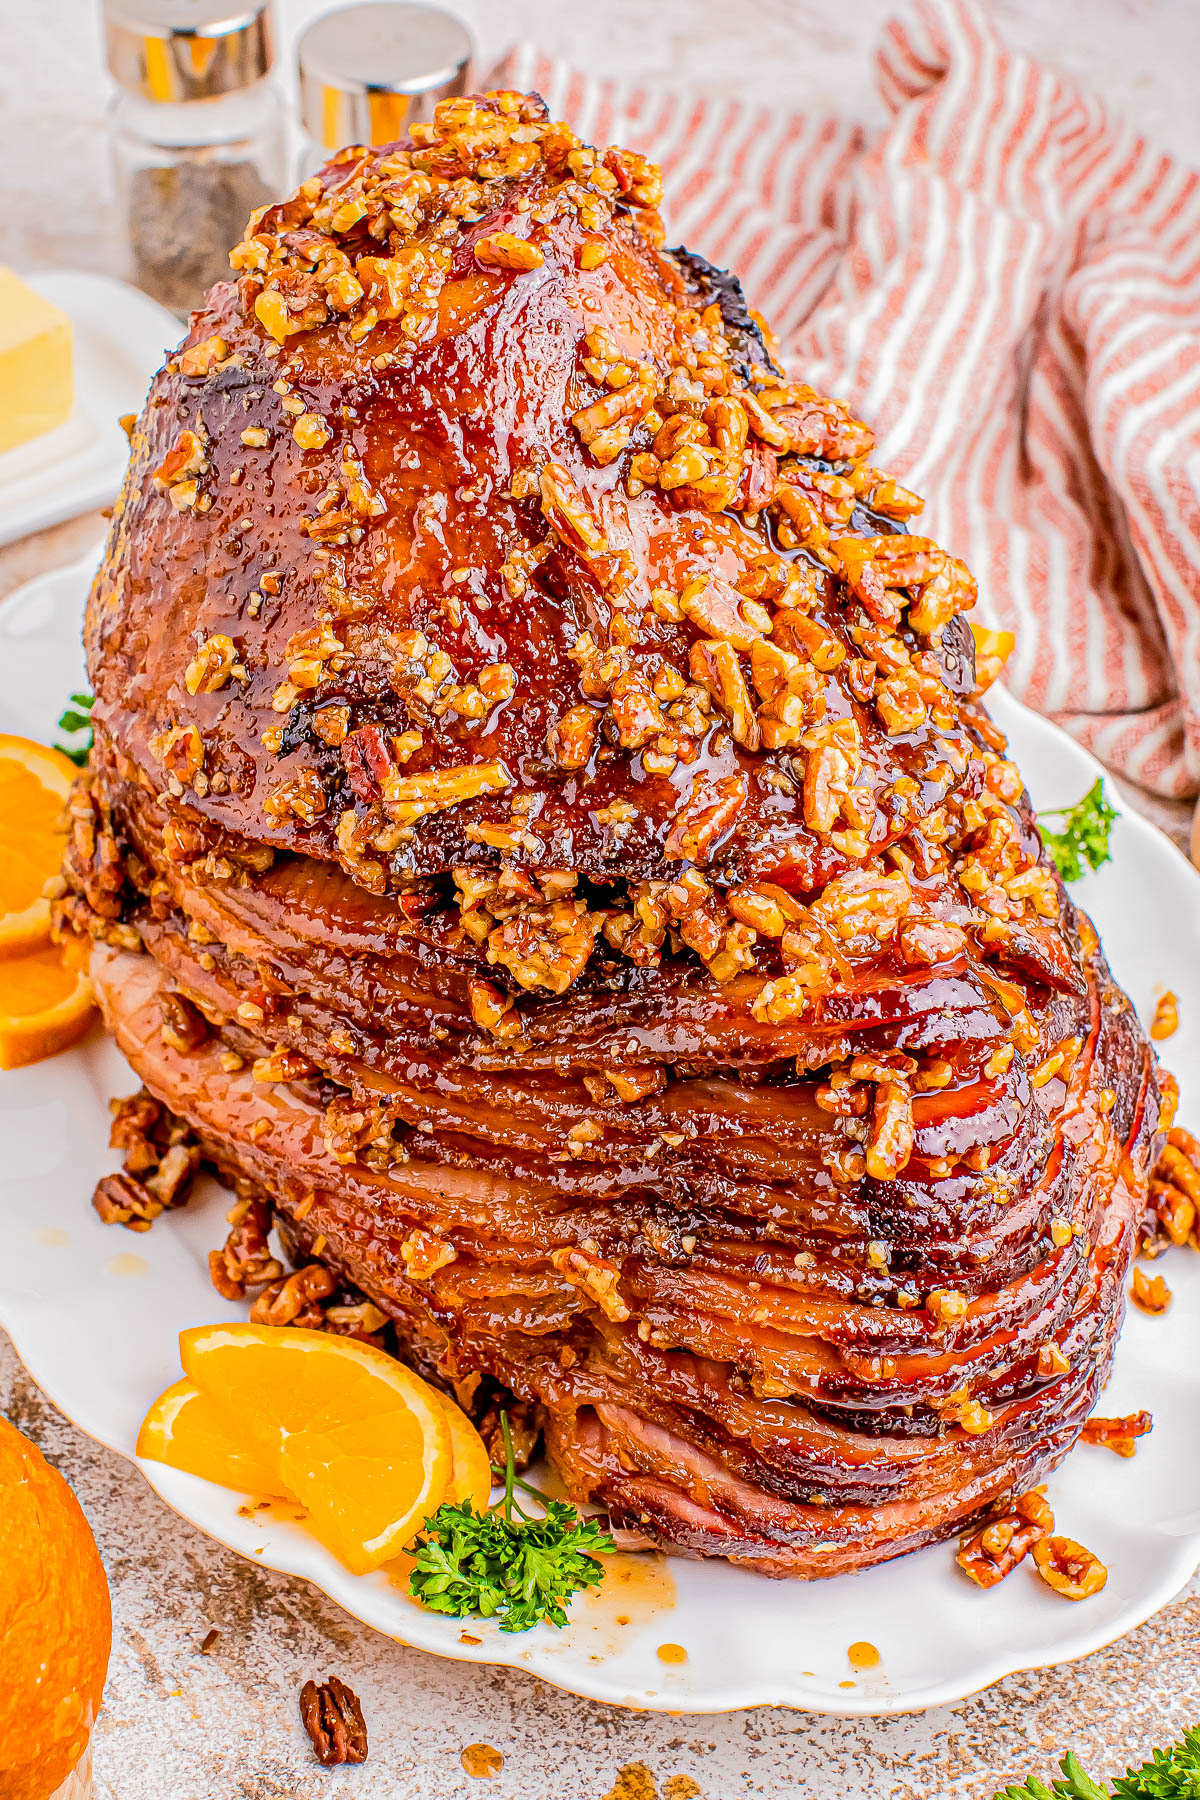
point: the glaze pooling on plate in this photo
(749, 1641)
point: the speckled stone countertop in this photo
(181, 1726)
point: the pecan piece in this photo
(245, 1259)
(505, 250)
(161, 1159)
(1149, 1293)
(1120, 1435)
(1069, 1568)
(572, 740)
(891, 1140)
(123, 1200)
(333, 1719)
(705, 818)
(184, 1027)
(994, 1551)
(295, 1299)
(1175, 1188)
(407, 798)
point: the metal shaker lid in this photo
(368, 72)
(175, 50)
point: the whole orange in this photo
(55, 1623)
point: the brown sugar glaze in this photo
(533, 744)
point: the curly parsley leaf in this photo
(1084, 836)
(1077, 1785)
(1172, 1774)
(76, 718)
(505, 1563)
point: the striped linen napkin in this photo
(1005, 282)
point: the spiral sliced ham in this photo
(544, 837)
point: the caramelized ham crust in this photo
(542, 770)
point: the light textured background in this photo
(178, 1726)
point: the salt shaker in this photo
(198, 132)
(369, 72)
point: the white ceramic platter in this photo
(121, 338)
(95, 1312)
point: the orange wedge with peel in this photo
(34, 784)
(472, 1477)
(992, 650)
(44, 1006)
(360, 1441)
(185, 1429)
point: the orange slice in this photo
(362, 1442)
(43, 1006)
(34, 784)
(472, 1477)
(185, 1429)
(992, 651)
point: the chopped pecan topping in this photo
(184, 1027)
(213, 664)
(505, 250)
(200, 358)
(185, 458)
(545, 946)
(627, 1085)
(573, 739)
(570, 516)
(408, 798)
(123, 1200)
(423, 1253)
(705, 819)
(598, 1279)
(1175, 1186)
(493, 1010)
(333, 1719)
(891, 1140)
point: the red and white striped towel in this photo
(1005, 283)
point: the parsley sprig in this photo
(508, 1564)
(1172, 1774)
(1085, 833)
(77, 718)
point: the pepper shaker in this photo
(198, 133)
(369, 72)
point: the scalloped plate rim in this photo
(543, 1653)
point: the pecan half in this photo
(1069, 1568)
(333, 1719)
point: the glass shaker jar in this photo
(369, 72)
(198, 132)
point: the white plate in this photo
(95, 1311)
(121, 339)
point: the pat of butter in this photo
(37, 387)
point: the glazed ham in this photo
(544, 839)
